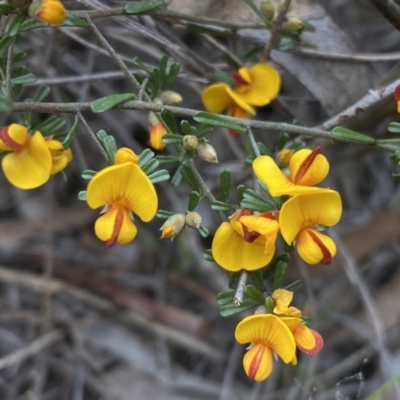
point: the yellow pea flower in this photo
(156, 132)
(50, 11)
(60, 157)
(297, 219)
(267, 334)
(246, 241)
(29, 164)
(307, 168)
(122, 188)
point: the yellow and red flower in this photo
(29, 164)
(156, 132)
(298, 218)
(267, 334)
(122, 188)
(50, 11)
(307, 168)
(60, 157)
(246, 241)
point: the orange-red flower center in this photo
(326, 254)
(239, 80)
(117, 227)
(256, 361)
(306, 164)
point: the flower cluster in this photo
(255, 86)
(279, 332)
(50, 11)
(247, 241)
(121, 189)
(30, 160)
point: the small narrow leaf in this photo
(169, 119)
(167, 159)
(256, 10)
(159, 176)
(394, 127)
(82, 195)
(221, 206)
(283, 139)
(296, 285)
(264, 150)
(217, 120)
(50, 125)
(280, 271)
(207, 255)
(225, 184)
(14, 26)
(6, 8)
(42, 93)
(151, 166)
(18, 57)
(163, 214)
(225, 297)
(177, 177)
(204, 232)
(230, 309)
(109, 102)
(70, 134)
(194, 198)
(272, 265)
(190, 178)
(88, 174)
(171, 138)
(240, 192)
(234, 280)
(73, 21)
(351, 136)
(220, 76)
(5, 103)
(255, 202)
(138, 62)
(251, 292)
(143, 6)
(257, 279)
(20, 80)
(172, 75)
(203, 130)
(163, 66)
(145, 156)
(211, 30)
(5, 43)
(186, 128)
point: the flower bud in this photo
(261, 310)
(267, 8)
(283, 157)
(50, 11)
(207, 153)
(190, 142)
(171, 98)
(292, 25)
(156, 131)
(193, 219)
(173, 226)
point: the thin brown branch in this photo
(390, 10)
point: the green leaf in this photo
(110, 146)
(256, 10)
(18, 57)
(263, 149)
(163, 66)
(169, 118)
(167, 159)
(50, 125)
(217, 120)
(257, 279)
(225, 184)
(5, 103)
(82, 195)
(70, 21)
(207, 255)
(187, 156)
(351, 136)
(395, 157)
(204, 232)
(163, 214)
(272, 265)
(240, 192)
(150, 166)
(171, 138)
(14, 26)
(70, 134)
(394, 127)
(396, 177)
(190, 178)
(88, 174)
(172, 75)
(6, 8)
(156, 80)
(186, 128)
(177, 177)
(145, 156)
(286, 44)
(139, 63)
(143, 6)
(41, 93)
(230, 309)
(220, 76)
(109, 102)
(296, 285)
(234, 279)
(203, 130)
(159, 176)
(5, 43)
(194, 198)
(307, 26)
(225, 297)
(283, 139)
(251, 292)
(280, 271)
(255, 202)
(221, 206)
(20, 80)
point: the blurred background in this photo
(80, 321)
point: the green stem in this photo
(7, 85)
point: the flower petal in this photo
(308, 168)
(125, 184)
(124, 154)
(233, 253)
(315, 247)
(257, 362)
(319, 344)
(30, 167)
(302, 211)
(157, 131)
(278, 184)
(264, 87)
(216, 98)
(238, 100)
(305, 340)
(115, 226)
(282, 299)
(269, 330)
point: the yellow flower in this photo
(124, 154)
(157, 131)
(60, 157)
(255, 86)
(121, 188)
(282, 299)
(50, 11)
(307, 168)
(246, 242)
(173, 226)
(29, 164)
(297, 218)
(267, 335)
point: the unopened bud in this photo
(193, 219)
(267, 8)
(173, 226)
(283, 157)
(190, 142)
(207, 153)
(292, 25)
(50, 11)
(171, 98)
(260, 310)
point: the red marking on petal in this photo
(306, 164)
(255, 363)
(397, 93)
(249, 237)
(5, 137)
(326, 255)
(319, 344)
(239, 80)
(117, 227)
